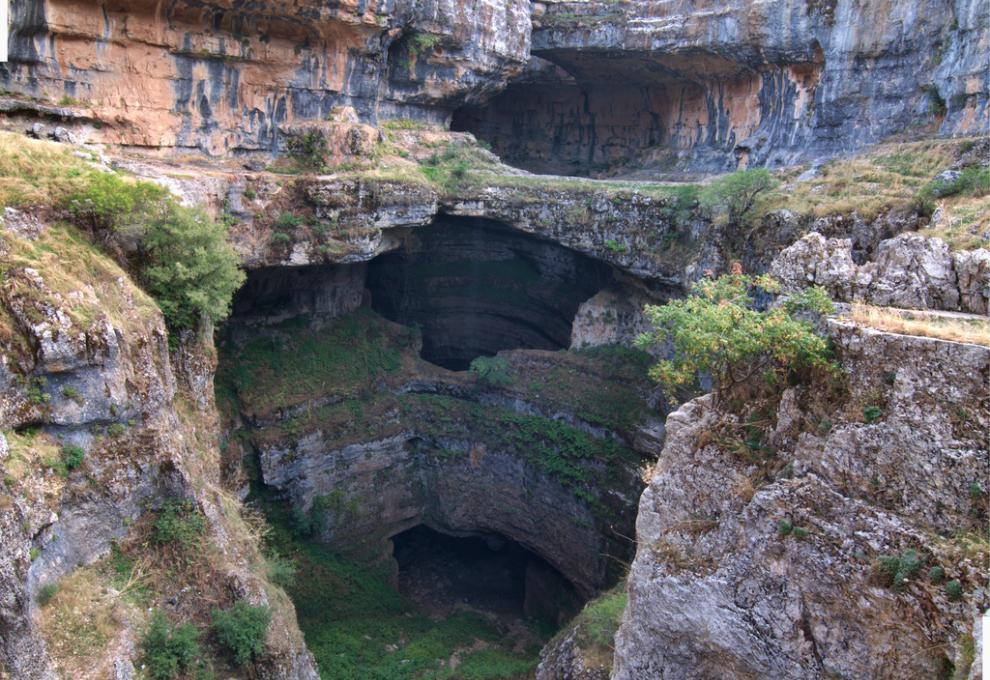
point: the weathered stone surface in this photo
(220, 77)
(91, 367)
(716, 590)
(612, 317)
(910, 271)
(679, 84)
(563, 659)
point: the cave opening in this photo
(475, 287)
(642, 115)
(441, 573)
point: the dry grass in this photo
(963, 223)
(34, 172)
(888, 176)
(85, 618)
(974, 330)
(89, 283)
(30, 452)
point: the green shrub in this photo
(972, 181)
(169, 650)
(241, 630)
(895, 570)
(73, 394)
(716, 331)
(309, 148)
(800, 532)
(46, 593)
(116, 429)
(72, 456)
(936, 574)
(189, 267)
(105, 201)
(491, 371)
(784, 527)
(281, 570)
(734, 196)
(954, 589)
(288, 220)
(179, 522)
(871, 413)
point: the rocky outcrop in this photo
(678, 85)
(909, 271)
(86, 372)
(222, 78)
(779, 578)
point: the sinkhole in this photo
(442, 573)
(474, 287)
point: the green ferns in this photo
(717, 331)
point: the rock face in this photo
(85, 366)
(909, 271)
(673, 84)
(779, 578)
(542, 451)
(222, 78)
(678, 83)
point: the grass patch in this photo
(293, 362)
(974, 330)
(357, 626)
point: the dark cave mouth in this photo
(442, 573)
(474, 287)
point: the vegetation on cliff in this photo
(718, 331)
(178, 254)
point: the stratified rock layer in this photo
(719, 589)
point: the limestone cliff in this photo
(778, 576)
(101, 425)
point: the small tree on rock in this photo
(735, 195)
(717, 331)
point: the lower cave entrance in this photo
(441, 574)
(475, 287)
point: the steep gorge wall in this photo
(688, 85)
(224, 77)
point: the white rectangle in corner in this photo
(4, 28)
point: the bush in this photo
(895, 570)
(106, 201)
(871, 413)
(954, 589)
(491, 371)
(309, 147)
(189, 267)
(936, 574)
(241, 630)
(735, 195)
(46, 593)
(281, 570)
(169, 650)
(72, 456)
(716, 331)
(179, 522)
(288, 220)
(784, 527)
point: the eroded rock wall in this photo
(780, 578)
(681, 85)
(221, 76)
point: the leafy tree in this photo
(735, 195)
(189, 268)
(241, 630)
(717, 331)
(169, 650)
(105, 201)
